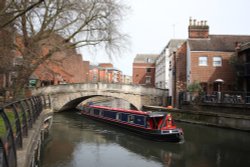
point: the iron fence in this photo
(227, 97)
(16, 118)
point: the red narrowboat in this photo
(158, 126)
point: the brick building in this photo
(64, 66)
(93, 74)
(144, 69)
(115, 75)
(165, 71)
(105, 73)
(204, 58)
(86, 67)
(243, 68)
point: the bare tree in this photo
(15, 14)
(6, 48)
(56, 25)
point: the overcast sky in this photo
(152, 23)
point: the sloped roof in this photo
(173, 44)
(142, 58)
(225, 43)
(91, 67)
(244, 46)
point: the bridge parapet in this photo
(67, 96)
(69, 88)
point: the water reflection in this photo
(77, 142)
(76, 139)
(116, 103)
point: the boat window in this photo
(139, 120)
(131, 118)
(119, 116)
(110, 114)
(101, 113)
(91, 111)
(86, 109)
(96, 111)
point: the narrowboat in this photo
(158, 126)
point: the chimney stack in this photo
(190, 21)
(201, 22)
(199, 30)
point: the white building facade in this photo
(161, 74)
(164, 75)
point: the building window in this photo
(148, 70)
(203, 61)
(18, 61)
(217, 61)
(149, 60)
(148, 80)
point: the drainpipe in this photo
(174, 81)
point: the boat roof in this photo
(157, 114)
(138, 112)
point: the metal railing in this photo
(232, 98)
(227, 98)
(16, 119)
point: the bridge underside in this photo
(62, 102)
(74, 103)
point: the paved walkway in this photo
(25, 155)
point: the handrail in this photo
(227, 98)
(17, 117)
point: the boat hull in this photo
(157, 135)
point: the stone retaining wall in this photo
(223, 120)
(26, 155)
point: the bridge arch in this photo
(68, 96)
(73, 103)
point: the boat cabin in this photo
(149, 120)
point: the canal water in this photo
(75, 141)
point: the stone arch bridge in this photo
(68, 96)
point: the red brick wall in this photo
(120, 77)
(181, 67)
(93, 75)
(73, 65)
(106, 65)
(181, 73)
(140, 73)
(67, 65)
(103, 76)
(198, 32)
(210, 73)
(85, 71)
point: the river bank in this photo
(232, 120)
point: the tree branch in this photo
(21, 13)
